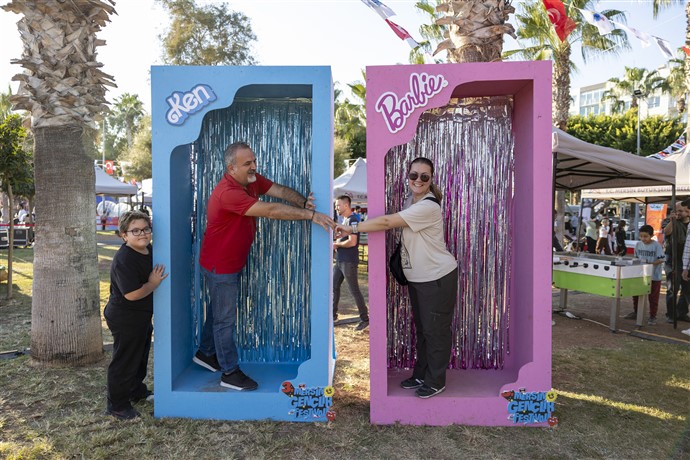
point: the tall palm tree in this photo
(64, 90)
(676, 81)
(635, 79)
(657, 5)
(126, 114)
(535, 28)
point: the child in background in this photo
(128, 315)
(621, 249)
(651, 252)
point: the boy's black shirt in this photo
(129, 271)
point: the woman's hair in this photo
(128, 217)
(434, 189)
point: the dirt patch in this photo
(593, 327)
(591, 330)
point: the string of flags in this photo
(385, 13)
(563, 26)
(672, 149)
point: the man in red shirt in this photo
(231, 224)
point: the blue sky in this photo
(344, 34)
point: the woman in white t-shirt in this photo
(432, 273)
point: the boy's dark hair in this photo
(128, 217)
(648, 229)
(686, 203)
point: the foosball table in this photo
(608, 276)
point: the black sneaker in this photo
(411, 383)
(427, 392)
(237, 380)
(125, 414)
(209, 362)
(631, 315)
(362, 325)
(148, 396)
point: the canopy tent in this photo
(106, 185)
(651, 193)
(353, 182)
(580, 165)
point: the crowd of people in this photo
(603, 236)
(232, 210)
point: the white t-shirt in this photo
(423, 252)
(603, 231)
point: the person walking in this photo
(347, 263)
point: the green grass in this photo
(629, 401)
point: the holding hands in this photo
(342, 230)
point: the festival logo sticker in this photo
(309, 402)
(182, 105)
(396, 111)
(531, 406)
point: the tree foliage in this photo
(138, 158)
(539, 41)
(620, 131)
(206, 35)
(635, 79)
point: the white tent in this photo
(651, 193)
(106, 185)
(581, 165)
(353, 182)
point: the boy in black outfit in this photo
(128, 314)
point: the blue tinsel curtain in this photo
(273, 322)
(471, 144)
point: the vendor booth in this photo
(580, 165)
(284, 328)
(108, 212)
(353, 182)
(486, 127)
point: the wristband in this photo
(313, 212)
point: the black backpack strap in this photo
(433, 198)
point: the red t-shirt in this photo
(229, 233)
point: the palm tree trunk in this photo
(65, 314)
(561, 86)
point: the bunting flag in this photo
(381, 9)
(558, 17)
(686, 50)
(644, 37)
(606, 26)
(385, 13)
(671, 149)
(403, 34)
(598, 20)
(665, 47)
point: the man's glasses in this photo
(424, 177)
(139, 231)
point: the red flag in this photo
(558, 17)
(402, 34)
(109, 164)
(686, 49)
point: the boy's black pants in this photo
(132, 332)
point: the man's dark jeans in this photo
(682, 300)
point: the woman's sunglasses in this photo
(424, 177)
